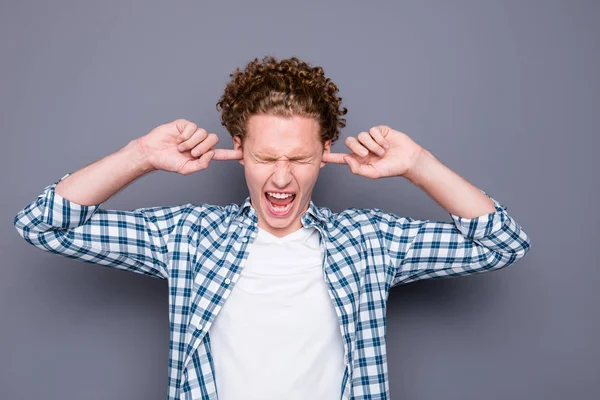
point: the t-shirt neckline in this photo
(299, 234)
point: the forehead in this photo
(275, 136)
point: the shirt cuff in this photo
(484, 225)
(60, 212)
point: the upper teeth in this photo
(280, 195)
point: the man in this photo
(276, 298)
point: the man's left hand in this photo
(371, 158)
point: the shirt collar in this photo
(310, 217)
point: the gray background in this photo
(504, 93)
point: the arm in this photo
(66, 218)
(482, 237)
(451, 191)
(430, 249)
(97, 182)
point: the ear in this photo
(326, 149)
(237, 145)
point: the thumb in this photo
(198, 164)
(352, 163)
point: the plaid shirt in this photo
(201, 249)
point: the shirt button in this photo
(227, 281)
(244, 239)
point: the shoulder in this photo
(353, 217)
(371, 219)
(208, 216)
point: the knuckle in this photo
(199, 135)
(363, 135)
(196, 151)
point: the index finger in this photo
(227, 154)
(336, 158)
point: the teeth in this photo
(281, 209)
(278, 209)
(279, 195)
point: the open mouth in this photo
(280, 205)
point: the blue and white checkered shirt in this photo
(201, 249)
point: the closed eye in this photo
(303, 161)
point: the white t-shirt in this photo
(277, 335)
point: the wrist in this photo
(138, 157)
(419, 167)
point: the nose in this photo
(282, 175)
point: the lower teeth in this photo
(280, 209)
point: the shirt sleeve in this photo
(129, 240)
(423, 249)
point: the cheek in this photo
(257, 174)
(306, 173)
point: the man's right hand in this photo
(180, 146)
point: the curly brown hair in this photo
(283, 88)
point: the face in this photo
(281, 156)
